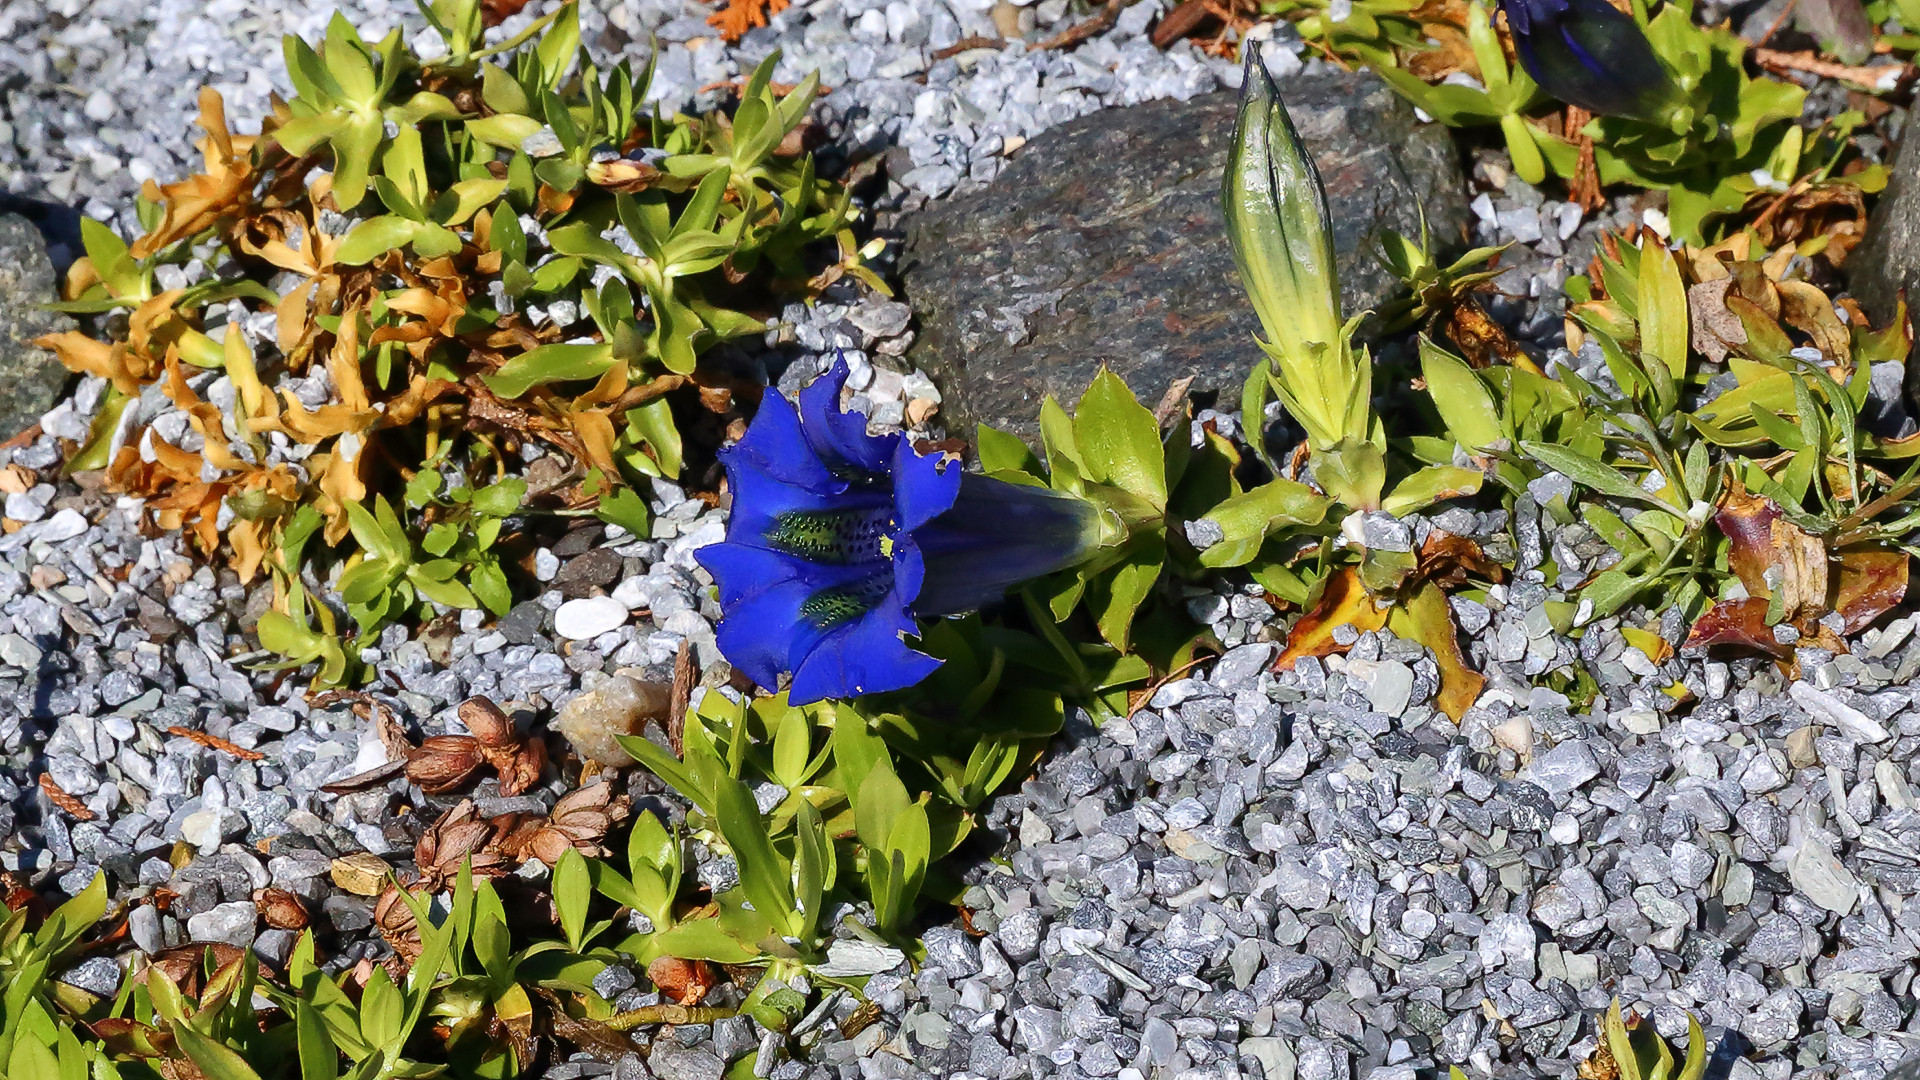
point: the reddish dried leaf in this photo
(1448, 560)
(1738, 624)
(1869, 584)
(1747, 523)
(685, 981)
(1343, 602)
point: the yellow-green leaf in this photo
(1663, 308)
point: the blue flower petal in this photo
(838, 436)
(1589, 54)
(924, 486)
(762, 593)
(762, 502)
(756, 635)
(776, 445)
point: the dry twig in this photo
(684, 677)
(215, 742)
(1872, 78)
(58, 796)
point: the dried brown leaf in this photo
(444, 762)
(1343, 602)
(1737, 624)
(1868, 583)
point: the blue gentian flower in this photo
(839, 539)
(1587, 53)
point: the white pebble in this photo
(589, 617)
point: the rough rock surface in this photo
(30, 378)
(1027, 287)
(1888, 260)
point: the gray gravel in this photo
(1310, 875)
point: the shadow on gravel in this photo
(57, 222)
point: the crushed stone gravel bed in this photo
(1311, 875)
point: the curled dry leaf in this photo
(1741, 623)
(1448, 560)
(462, 834)
(685, 981)
(444, 762)
(280, 909)
(488, 723)
(1772, 555)
(581, 819)
(1427, 618)
(1343, 602)
(1870, 583)
(1716, 330)
(394, 918)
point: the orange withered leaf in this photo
(737, 17)
(1343, 602)
(200, 202)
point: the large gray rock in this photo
(1103, 243)
(30, 378)
(1888, 260)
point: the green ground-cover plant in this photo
(1717, 139)
(421, 265)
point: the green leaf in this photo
(500, 498)
(488, 583)
(813, 864)
(625, 508)
(1588, 472)
(668, 768)
(72, 919)
(318, 1058)
(1004, 452)
(1115, 597)
(792, 748)
(375, 237)
(502, 92)
(764, 875)
(504, 130)
(1119, 440)
(353, 148)
(651, 424)
(572, 891)
(882, 799)
(1611, 588)
(214, 1060)
(1465, 405)
(703, 939)
(465, 198)
(557, 46)
(549, 363)
(1663, 308)
(382, 1011)
(1431, 485)
(1247, 519)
